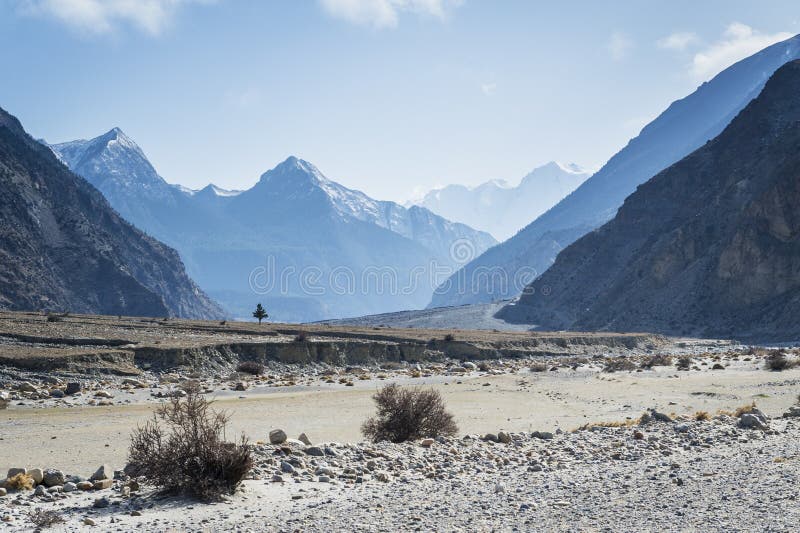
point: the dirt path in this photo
(80, 438)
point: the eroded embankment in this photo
(125, 356)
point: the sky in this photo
(392, 97)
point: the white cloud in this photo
(680, 40)
(619, 46)
(488, 88)
(738, 42)
(104, 16)
(386, 13)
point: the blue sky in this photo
(386, 96)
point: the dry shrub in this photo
(702, 416)
(657, 360)
(777, 361)
(44, 519)
(538, 367)
(684, 363)
(181, 450)
(20, 482)
(619, 364)
(251, 367)
(744, 409)
(449, 337)
(301, 337)
(408, 414)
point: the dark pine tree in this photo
(260, 313)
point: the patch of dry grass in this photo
(20, 482)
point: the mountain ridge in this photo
(684, 126)
(66, 249)
(710, 246)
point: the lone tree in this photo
(260, 313)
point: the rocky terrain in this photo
(657, 472)
(64, 249)
(708, 247)
(559, 431)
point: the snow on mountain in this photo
(501, 208)
(294, 218)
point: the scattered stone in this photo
(753, 420)
(426, 443)
(314, 451)
(84, 485)
(102, 484)
(73, 387)
(504, 437)
(101, 503)
(304, 439)
(241, 386)
(277, 436)
(3, 492)
(14, 471)
(37, 475)
(89, 522)
(104, 472)
(53, 477)
(70, 487)
(27, 386)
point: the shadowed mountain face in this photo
(710, 246)
(306, 246)
(64, 248)
(685, 126)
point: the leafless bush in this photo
(407, 414)
(619, 364)
(538, 367)
(251, 367)
(657, 360)
(181, 450)
(777, 360)
(44, 519)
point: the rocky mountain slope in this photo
(64, 248)
(685, 126)
(309, 247)
(500, 208)
(710, 246)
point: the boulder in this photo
(543, 435)
(504, 437)
(73, 387)
(102, 484)
(27, 386)
(304, 439)
(70, 487)
(753, 420)
(37, 475)
(56, 393)
(314, 451)
(241, 386)
(104, 472)
(53, 477)
(84, 485)
(14, 471)
(277, 436)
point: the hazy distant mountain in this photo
(311, 248)
(686, 125)
(710, 246)
(503, 209)
(63, 247)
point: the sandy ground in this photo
(79, 439)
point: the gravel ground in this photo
(681, 475)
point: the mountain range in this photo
(501, 209)
(64, 249)
(683, 127)
(309, 247)
(708, 247)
